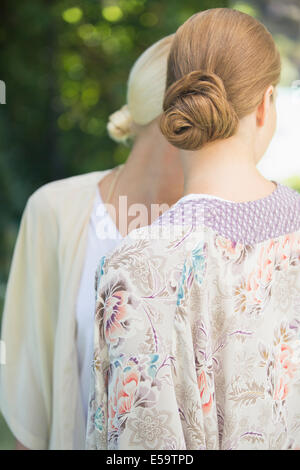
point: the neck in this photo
(225, 168)
(153, 172)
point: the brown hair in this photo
(220, 64)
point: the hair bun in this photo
(120, 125)
(197, 111)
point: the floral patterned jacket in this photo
(197, 330)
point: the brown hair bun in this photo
(197, 111)
(221, 62)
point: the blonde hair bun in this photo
(147, 82)
(145, 92)
(120, 125)
(197, 111)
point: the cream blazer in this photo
(40, 382)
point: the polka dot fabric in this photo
(244, 222)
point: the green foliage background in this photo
(65, 64)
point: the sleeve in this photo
(96, 438)
(143, 358)
(28, 326)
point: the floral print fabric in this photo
(197, 343)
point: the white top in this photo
(102, 237)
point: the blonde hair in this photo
(145, 92)
(220, 64)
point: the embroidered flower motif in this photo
(286, 291)
(180, 294)
(133, 384)
(286, 365)
(171, 443)
(288, 252)
(126, 394)
(282, 362)
(205, 392)
(99, 419)
(253, 292)
(198, 262)
(231, 250)
(115, 313)
(249, 299)
(193, 268)
(99, 272)
(150, 428)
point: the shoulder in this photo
(55, 196)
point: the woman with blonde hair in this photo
(202, 350)
(48, 315)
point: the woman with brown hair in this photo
(196, 339)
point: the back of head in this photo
(220, 64)
(145, 92)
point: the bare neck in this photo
(151, 175)
(153, 171)
(225, 169)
